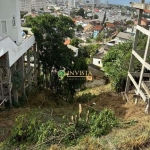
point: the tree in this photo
(123, 13)
(80, 28)
(73, 13)
(116, 62)
(96, 16)
(80, 12)
(120, 29)
(50, 33)
(104, 18)
(130, 22)
(75, 42)
(100, 36)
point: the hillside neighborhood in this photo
(74, 75)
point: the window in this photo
(4, 27)
(99, 62)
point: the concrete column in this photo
(21, 68)
(29, 70)
(9, 79)
(9, 84)
(14, 90)
(35, 63)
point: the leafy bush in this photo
(102, 124)
(116, 62)
(35, 129)
(25, 129)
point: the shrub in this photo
(102, 123)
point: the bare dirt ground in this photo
(105, 98)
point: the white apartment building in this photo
(38, 4)
(71, 3)
(25, 5)
(14, 43)
(97, 2)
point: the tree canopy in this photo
(116, 62)
(50, 33)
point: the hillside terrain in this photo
(132, 134)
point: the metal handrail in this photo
(4, 100)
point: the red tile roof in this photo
(67, 42)
(147, 11)
(144, 22)
(98, 28)
(110, 25)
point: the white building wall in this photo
(38, 4)
(15, 51)
(11, 40)
(25, 5)
(71, 3)
(10, 9)
(97, 62)
(97, 2)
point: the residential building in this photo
(71, 3)
(25, 5)
(97, 59)
(144, 22)
(88, 28)
(96, 30)
(14, 43)
(96, 71)
(123, 37)
(38, 4)
(97, 2)
(74, 49)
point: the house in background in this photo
(144, 22)
(14, 44)
(74, 49)
(88, 28)
(110, 26)
(123, 37)
(97, 59)
(96, 30)
(67, 41)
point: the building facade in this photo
(71, 3)
(38, 4)
(25, 5)
(14, 44)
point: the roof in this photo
(110, 25)
(94, 66)
(108, 46)
(67, 41)
(123, 35)
(72, 47)
(99, 55)
(114, 34)
(95, 70)
(147, 11)
(88, 28)
(98, 28)
(143, 22)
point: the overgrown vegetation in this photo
(42, 129)
(116, 62)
